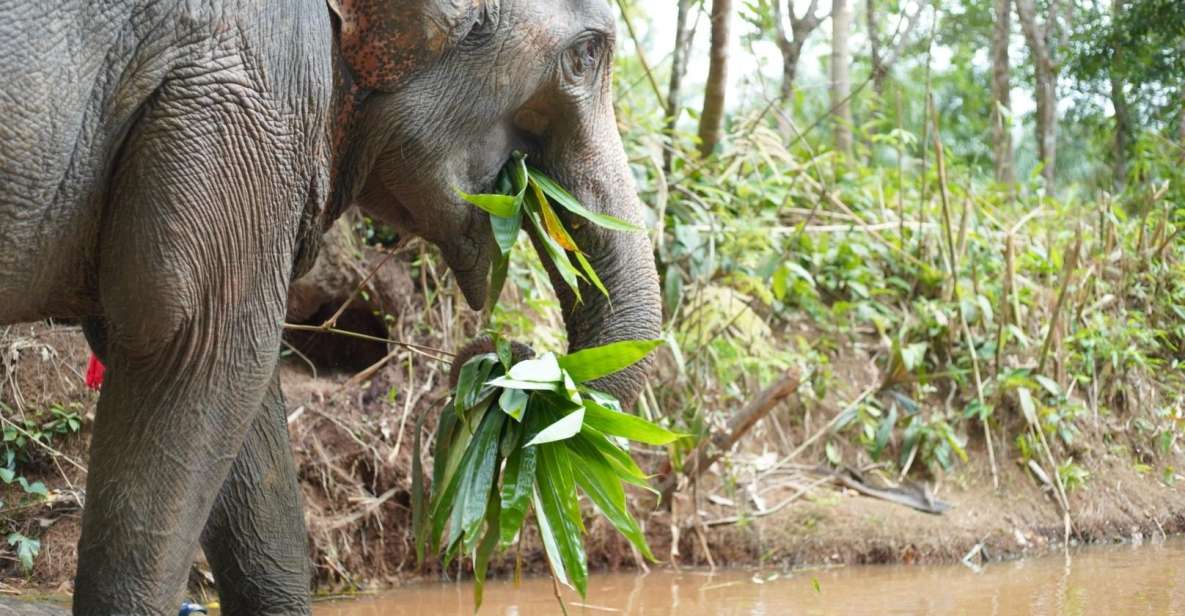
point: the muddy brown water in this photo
(1119, 580)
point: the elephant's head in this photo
(455, 87)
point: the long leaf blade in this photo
(485, 550)
(552, 223)
(565, 199)
(565, 428)
(616, 423)
(506, 229)
(479, 480)
(509, 383)
(518, 481)
(599, 482)
(591, 274)
(444, 502)
(542, 369)
(625, 467)
(559, 258)
(513, 402)
(503, 206)
(593, 363)
(558, 511)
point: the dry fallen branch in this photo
(713, 448)
(772, 510)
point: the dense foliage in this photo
(999, 314)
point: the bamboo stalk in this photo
(1007, 316)
(1068, 267)
(953, 263)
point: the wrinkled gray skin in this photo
(167, 167)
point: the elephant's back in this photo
(75, 76)
(69, 84)
(16, 607)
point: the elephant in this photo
(167, 168)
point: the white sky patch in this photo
(751, 66)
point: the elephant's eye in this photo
(585, 55)
(484, 25)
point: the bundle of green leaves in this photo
(524, 192)
(521, 438)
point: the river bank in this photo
(353, 446)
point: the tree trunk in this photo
(1045, 70)
(1123, 126)
(1181, 121)
(711, 120)
(790, 55)
(1123, 130)
(879, 70)
(678, 71)
(791, 45)
(841, 84)
(1001, 93)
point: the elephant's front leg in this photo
(196, 251)
(255, 539)
(165, 435)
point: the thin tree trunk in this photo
(711, 119)
(1123, 125)
(879, 69)
(1123, 131)
(678, 71)
(791, 45)
(1181, 120)
(1002, 93)
(790, 56)
(841, 84)
(1045, 70)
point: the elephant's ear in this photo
(384, 41)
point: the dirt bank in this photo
(353, 443)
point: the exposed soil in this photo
(354, 441)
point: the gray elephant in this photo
(167, 167)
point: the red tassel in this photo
(94, 373)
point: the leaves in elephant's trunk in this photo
(525, 191)
(532, 452)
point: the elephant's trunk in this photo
(590, 161)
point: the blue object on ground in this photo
(188, 608)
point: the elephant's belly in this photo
(48, 187)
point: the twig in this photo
(817, 435)
(1007, 314)
(772, 510)
(629, 26)
(555, 584)
(831, 198)
(370, 507)
(332, 321)
(54, 452)
(305, 358)
(419, 349)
